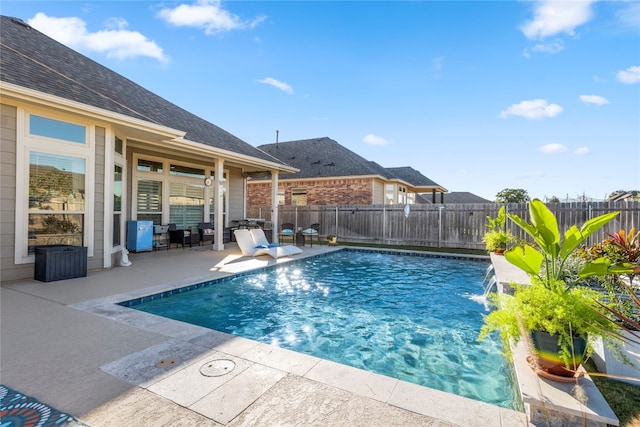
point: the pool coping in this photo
(193, 345)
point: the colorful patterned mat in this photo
(18, 410)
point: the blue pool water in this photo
(414, 318)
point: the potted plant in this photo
(557, 316)
(497, 238)
(332, 240)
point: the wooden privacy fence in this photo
(443, 226)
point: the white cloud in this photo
(553, 47)
(534, 109)
(629, 15)
(629, 76)
(206, 14)
(552, 17)
(277, 84)
(115, 41)
(594, 99)
(581, 151)
(374, 140)
(553, 148)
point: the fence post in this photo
(440, 208)
(384, 223)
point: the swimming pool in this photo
(414, 318)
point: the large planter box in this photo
(607, 363)
(59, 262)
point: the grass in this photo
(623, 398)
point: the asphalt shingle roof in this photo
(455, 197)
(409, 174)
(33, 60)
(321, 158)
(325, 158)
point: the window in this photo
(56, 200)
(117, 203)
(281, 199)
(150, 166)
(390, 191)
(299, 197)
(186, 204)
(149, 203)
(50, 128)
(118, 146)
(402, 195)
(179, 170)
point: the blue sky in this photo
(477, 95)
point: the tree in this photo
(553, 199)
(512, 195)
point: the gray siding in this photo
(378, 192)
(236, 194)
(98, 206)
(10, 271)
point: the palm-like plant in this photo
(549, 304)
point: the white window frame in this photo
(25, 144)
(166, 178)
(111, 160)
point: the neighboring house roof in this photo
(34, 61)
(624, 196)
(454, 197)
(325, 158)
(321, 158)
(412, 176)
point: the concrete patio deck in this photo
(67, 344)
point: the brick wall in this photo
(323, 192)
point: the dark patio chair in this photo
(286, 230)
(205, 230)
(313, 230)
(181, 237)
(160, 237)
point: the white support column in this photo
(218, 192)
(274, 206)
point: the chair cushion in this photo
(270, 245)
(286, 232)
(207, 231)
(312, 231)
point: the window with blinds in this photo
(186, 204)
(149, 203)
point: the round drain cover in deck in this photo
(167, 363)
(217, 368)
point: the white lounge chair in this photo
(254, 243)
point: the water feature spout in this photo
(487, 289)
(489, 270)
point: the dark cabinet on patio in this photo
(60, 262)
